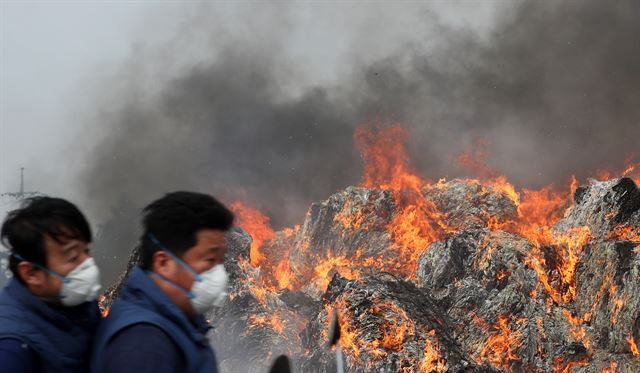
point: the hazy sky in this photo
(55, 54)
(47, 50)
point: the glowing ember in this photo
(432, 362)
(349, 338)
(500, 348)
(612, 367)
(560, 366)
(627, 233)
(633, 347)
(105, 309)
(617, 302)
(577, 331)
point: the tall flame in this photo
(257, 225)
(418, 222)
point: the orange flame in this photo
(396, 327)
(475, 159)
(568, 248)
(606, 284)
(612, 367)
(625, 233)
(349, 337)
(560, 366)
(105, 309)
(631, 170)
(273, 321)
(617, 302)
(276, 273)
(330, 265)
(386, 163)
(500, 348)
(432, 361)
(633, 347)
(351, 219)
(257, 225)
(417, 222)
(577, 331)
(538, 212)
(501, 274)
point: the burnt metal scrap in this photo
(484, 297)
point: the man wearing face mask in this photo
(48, 310)
(157, 324)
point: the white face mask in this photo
(209, 288)
(81, 285)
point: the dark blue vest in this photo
(61, 336)
(142, 301)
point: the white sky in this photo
(47, 50)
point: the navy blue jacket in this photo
(143, 302)
(60, 336)
(16, 356)
(142, 348)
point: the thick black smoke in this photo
(554, 89)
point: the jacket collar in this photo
(140, 289)
(61, 316)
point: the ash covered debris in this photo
(388, 324)
(484, 297)
(605, 207)
(470, 204)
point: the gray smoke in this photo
(554, 88)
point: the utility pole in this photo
(21, 181)
(21, 194)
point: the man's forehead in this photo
(211, 237)
(63, 245)
(206, 247)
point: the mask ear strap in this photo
(174, 256)
(189, 294)
(64, 279)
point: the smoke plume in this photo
(553, 88)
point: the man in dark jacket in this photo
(48, 310)
(157, 324)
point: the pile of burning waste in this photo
(448, 276)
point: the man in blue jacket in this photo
(157, 324)
(48, 310)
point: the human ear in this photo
(160, 263)
(29, 274)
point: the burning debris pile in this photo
(484, 296)
(448, 276)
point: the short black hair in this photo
(23, 229)
(175, 219)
